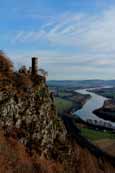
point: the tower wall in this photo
(34, 65)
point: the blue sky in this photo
(74, 39)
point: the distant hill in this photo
(80, 83)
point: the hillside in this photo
(33, 139)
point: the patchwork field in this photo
(63, 104)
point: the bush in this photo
(6, 67)
(23, 82)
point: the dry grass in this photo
(15, 159)
(107, 144)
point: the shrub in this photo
(23, 82)
(6, 67)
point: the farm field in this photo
(63, 104)
(94, 135)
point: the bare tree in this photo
(43, 73)
(23, 69)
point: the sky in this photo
(74, 39)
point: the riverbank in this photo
(84, 130)
(87, 111)
(107, 111)
(73, 102)
(105, 114)
(108, 92)
(69, 101)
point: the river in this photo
(95, 102)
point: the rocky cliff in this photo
(28, 118)
(31, 118)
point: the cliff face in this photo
(31, 118)
(29, 121)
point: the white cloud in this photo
(93, 36)
(96, 33)
(24, 37)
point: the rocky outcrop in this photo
(28, 116)
(32, 118)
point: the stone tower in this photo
(34, 65)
